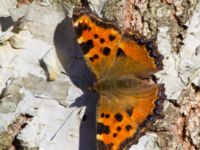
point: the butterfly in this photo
(123, 63)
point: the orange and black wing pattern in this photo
(122, 119)
(98, 40)
(114, 56)
(143, 53)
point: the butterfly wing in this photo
(98, 39)
(143, 54)
(129, 96)
(123, 118)
(123, 114)
(101, 41)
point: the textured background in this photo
(42, 108)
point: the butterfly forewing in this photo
(98, 40)
(142, 54)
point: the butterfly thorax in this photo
(110, 83)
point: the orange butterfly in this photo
(123, 63)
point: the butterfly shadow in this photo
(70, 56)
(5, 23)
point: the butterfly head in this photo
(79, 12)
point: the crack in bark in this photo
(15, 128)
(174, 103)
(186, 137)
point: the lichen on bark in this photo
(147, 16)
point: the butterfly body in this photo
(110, 85)
(123, 62)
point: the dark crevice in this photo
(17, 144)
(16, 127)
(195, 87)
(44, 66)
(175, 103)
(184, 131)
(28, 116)
(191, 143)
(2, 94)
(153, 129)
(184, 127)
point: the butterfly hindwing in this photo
(113, 124)
(122, 118)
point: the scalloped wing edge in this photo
(143, 127)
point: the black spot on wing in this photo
(107, 115)
(118, 117)
(106, 51)
(119, 128)
(91, 58)
(102, 115)
(129, 111)
(111, 37)
(120, 52)
(128, 127)
(102, 40)
(86, 46)
(101, 128)
(96, 36)
(96, 56)
(81, 28)
(114, 135)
